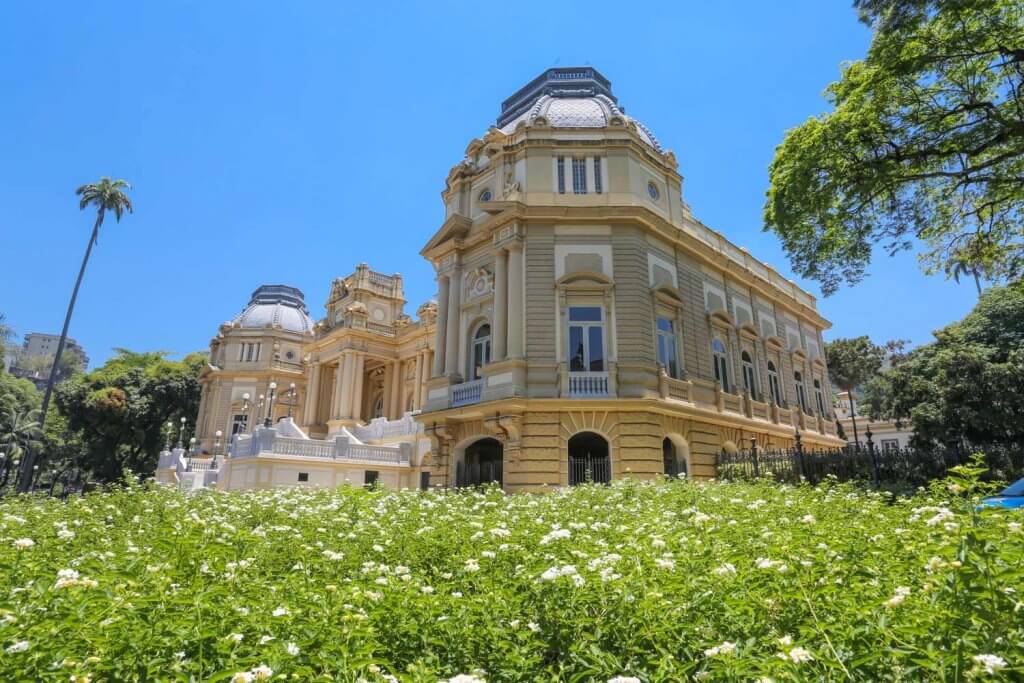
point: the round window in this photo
(485, 196)
(652, 190)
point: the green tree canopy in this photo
(925, 145)
(966, 385)
(119, 409)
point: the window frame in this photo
(720, 361)
(670, 338)
(585, 337)
(774, 387)
(560, 172)
(481, 344)
(579, 175)
(801, 391)
(598, 177)
(749, 367)
(819, 397)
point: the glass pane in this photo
(673, 369)
(576, 363)
(585, 314)
(596, 349)
(665, 325)
(483, 331)
(662, 351)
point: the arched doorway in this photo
(480, 464)
(673, 458)
(588, 459)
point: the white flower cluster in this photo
(568, 570)
(70, 577)
(260, 673)
(555, 535)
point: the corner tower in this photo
(588, 325)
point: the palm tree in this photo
(106, 195)
(20, 433)
(6, 333)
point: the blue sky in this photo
(253, 134)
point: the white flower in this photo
(65, 534)
(941, 516)
(725, 648)
(624, 679)
(292, 649)
(265, 639)
(465, 678)
(471, 566)
(665, 563)
(236, 637)
(798, 655)
(1014, 527)
(242, 677)
(19, 646)
(23, 543)
(900, 595)
(280, 612)
(990, 663)
(725, 569)
(262, 673)
(533, 626)
(334, 556)
(427, 589)
(555, 535)
(808, 519)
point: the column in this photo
(312, 408)
(418, 382)
(394, 410)
(499, 330)
(337, 410)
(348, 388)
(357, 391)
(428, 356)
(515, 300)
(442, 324)
(451, 348)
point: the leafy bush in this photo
(650, 582)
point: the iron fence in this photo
(906, 467)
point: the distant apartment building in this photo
(36, 356)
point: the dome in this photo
(276, 306)
(569, 98)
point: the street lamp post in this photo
(181, 434)
(268, 422)
(291, 399)
(245, 411)
(216, 448)
(170, 435)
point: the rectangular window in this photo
(561, 175)
(258, 351)
(579, 176)
(239, 423)
(241, 352)
(249, 351)
(370, 478)
(890, 445)
(303, 476)
(667, 355)
(598, 180)
(586, 339)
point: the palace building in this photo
(587, 327)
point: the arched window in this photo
(749, 377)
(819, 397)
(801, 394)
(481, 464)
(673, 462)
(718, 353)
(481, 355)
(773, 384)
(378, 406)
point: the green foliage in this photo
(106, 195)
(663, 582)
(119, 409)
(966, 385)
(925, 144)
(853, 361)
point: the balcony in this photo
(467, 393)
(588, 384)
(383, 428)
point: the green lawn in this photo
(665, 582)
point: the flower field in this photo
(633, 582)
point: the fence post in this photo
(800, 455)
(753, 452)
(874, 458)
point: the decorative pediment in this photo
(454, 228)
(819, 363)
(748, 330)
(669, 295)
(775, 343)
(584, 279)
(722, 317)
(800, 354)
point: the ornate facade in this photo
(587, 326)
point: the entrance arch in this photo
(589, 460)
(480, 464)
(675, 455)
